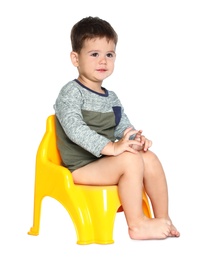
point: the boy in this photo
(96, 140)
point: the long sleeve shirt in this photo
(86, 121)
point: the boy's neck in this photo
(95, 86)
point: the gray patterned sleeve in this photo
(68, 111)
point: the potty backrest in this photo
(48, 149)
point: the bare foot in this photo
(155, 228)
(174, 232)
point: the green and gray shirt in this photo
(86, 121)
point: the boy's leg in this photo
(125, 170)
(155, 184)
(156, 187)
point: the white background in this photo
(162, 77)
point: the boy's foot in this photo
(152, 229)
(174, 232)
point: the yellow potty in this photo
(91, 208)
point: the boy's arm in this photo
(68, 111)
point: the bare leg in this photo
(156, 187)
(126, 170)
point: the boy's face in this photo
(96, 60)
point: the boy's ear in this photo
(74, 58)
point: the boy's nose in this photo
(103, 60)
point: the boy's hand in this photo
(144, 143)
(125, 144)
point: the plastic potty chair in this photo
(91, 208)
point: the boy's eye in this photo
(95, 54)
(110, 55)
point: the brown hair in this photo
(90, 28)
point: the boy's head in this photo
(90, 28)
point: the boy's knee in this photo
(149, 156)
(133, 159)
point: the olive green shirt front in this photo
(86, 121)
